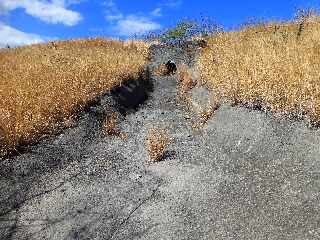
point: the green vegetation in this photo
(186, 29)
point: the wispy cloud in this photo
(128, 25)
(67, 3)
(131, 25)
(112, 11)
(48, 11)
(171, 3)
(157, 12)
(13, 37)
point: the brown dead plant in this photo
(161, 70)
(157, 143)
(205, 116)
(110, 126)
(186, 81)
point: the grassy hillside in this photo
(273, 65)
(42, 85)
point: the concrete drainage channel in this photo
(245, 175)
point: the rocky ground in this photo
(245, 175)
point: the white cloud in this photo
(66, 3)
(112, 11)
(50, 12)
(171, 3)
(109, 3)
(13, 37)
(131, 25)
(157, 12)
(128, 25)
(114, 17)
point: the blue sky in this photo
(32, 21)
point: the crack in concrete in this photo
(19, 204)
(125, 220)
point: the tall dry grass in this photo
(42, 85)
(275, 65)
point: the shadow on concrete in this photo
(132, 93)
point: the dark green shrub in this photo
(186, 29)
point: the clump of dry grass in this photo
(41, 85)
(275, 64)
(157, 143)
(160, 70)
(110, 126)
(205, 115)
(186, 80)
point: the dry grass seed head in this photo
(157, 143)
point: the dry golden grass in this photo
(275, 64)
(160, 70)
(205, 116)
(157, 143)
(42, 85)
(110, 126)
(186, 80)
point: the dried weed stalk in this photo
(110, 126)
(205, 115)
(157, 143)
(161, 70)
(186, 81)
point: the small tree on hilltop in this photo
(179, 32)
(185, 29)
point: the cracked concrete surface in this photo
(246, 175)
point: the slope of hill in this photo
(273, 66)
(43, 86)
(244, 175)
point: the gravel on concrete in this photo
(245, 175)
